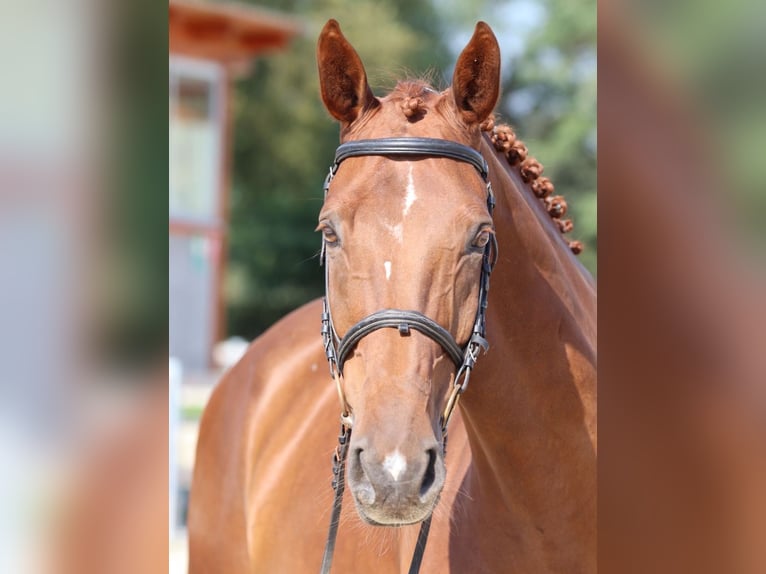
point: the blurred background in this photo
(250, 144)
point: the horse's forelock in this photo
(412, 96)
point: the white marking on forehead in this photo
(395, 230)
(387, 267)
(395, 464)
(410, 197)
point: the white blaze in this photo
(395, 464)
(387, 267)
(410, 197)
(395, 230)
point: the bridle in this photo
(337, 349)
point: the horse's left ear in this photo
(476, 82)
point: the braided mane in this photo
(412, 96)
(504, 139)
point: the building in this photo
(210, 45)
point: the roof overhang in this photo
(226, 32)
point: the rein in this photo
(337, 349)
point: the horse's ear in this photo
(342, 78)
(476, 82)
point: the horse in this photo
(515, 491)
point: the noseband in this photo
(337, 349)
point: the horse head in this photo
(404, 232)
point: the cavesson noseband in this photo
(337, 349)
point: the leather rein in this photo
(337, 349)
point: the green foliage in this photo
(285, 140)
(712, 53)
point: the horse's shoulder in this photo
(288, 345)
(248, 403)
(273, 414)
(275, 365)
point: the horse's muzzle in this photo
(395, 488)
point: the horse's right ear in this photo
(342, 78)
(476, 82)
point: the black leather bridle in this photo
(337, 349)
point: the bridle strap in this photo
(338, 485)
(397, 147)
(403, 321)
(420, 546)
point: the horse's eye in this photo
(482, 238)
(329, 234)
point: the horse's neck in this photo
(530, 409)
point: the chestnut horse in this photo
(516, 491)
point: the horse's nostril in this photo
(356, 465)
(357, 468)
(430, 475)
(365, 493)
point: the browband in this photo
(427, 147)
